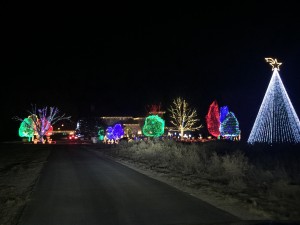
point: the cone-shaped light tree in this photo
(213, 119)
(276, 121)
(183, 117)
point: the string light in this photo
(118, 131)
(27, 128)
(213, 119)
(223, 113)
(114, 133)
(230, 126)
(183, 117)
(276, 121)
(273, 63)
(101, 134)
(109, 133)
(154, 126)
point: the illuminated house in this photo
(132, 125)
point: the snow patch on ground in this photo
(20, 167)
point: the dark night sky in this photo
(119, 60)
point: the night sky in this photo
(114, 61)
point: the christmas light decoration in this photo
(273, 63)
(101, 134)
(154, 126)
(49, 131)
(42, 119)
(27, 128)
(223, 113)
(114, 133)
(230, 126)
(118, 131)
(109, 133)
(276, 121)
(128, 131)
(155, 109)
(183, 117)
(213, 119)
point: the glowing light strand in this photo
(118, 131)
(27, 129)
(230, 126)
(114, 133)
(273, 63)
(213, 119)
(154, 126)
(183, 117)
(223, 113)
(276, 121)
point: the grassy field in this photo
(20, 167)
(266, 178)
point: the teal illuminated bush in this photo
(27, 128)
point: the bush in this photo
(261, 170)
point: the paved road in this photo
(77, 187)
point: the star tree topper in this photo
(273, 63)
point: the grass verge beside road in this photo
(262, 179)
(20, 167)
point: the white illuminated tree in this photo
(183, 117)
(276, 121)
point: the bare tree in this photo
(183, 117)
(43, 119)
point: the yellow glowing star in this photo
(273, 63)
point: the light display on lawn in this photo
(118, 131)
(213, 119)
(276, 121)
(29, 125)
(114, 133)
(128, 131)
(223, 113)
(43, 119)
(222, 123)
(101, 134)
(109, 133)
(154, 126)
(49, 131)
(155, 109)
(27, 129)
(183, 117)
(230, 127)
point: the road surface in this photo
(78, 186)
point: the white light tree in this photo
(276, 121)
(183, 117)
(43, 119)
